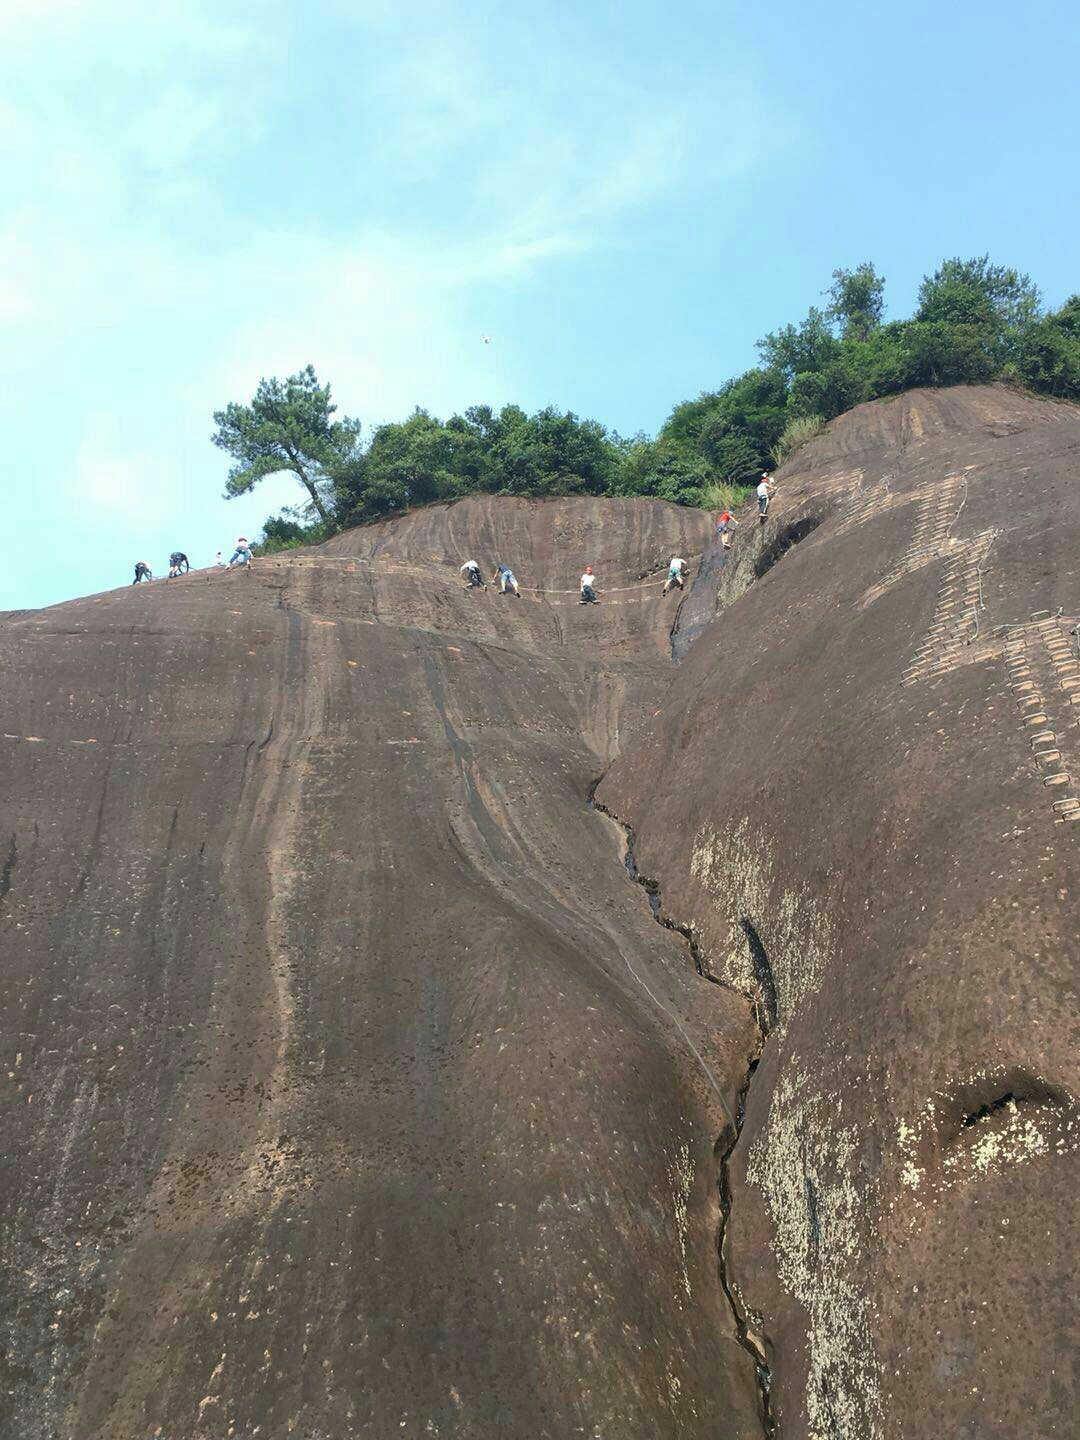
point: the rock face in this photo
(352, 1088)
(863, 794)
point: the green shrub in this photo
(975, 322)
(1048, 353)
(797, 432)
(723, 497)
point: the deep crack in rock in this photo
(765, 1014)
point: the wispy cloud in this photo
(199, 198)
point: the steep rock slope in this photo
(863, 795)
(351, 1087)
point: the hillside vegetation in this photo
(975, 322)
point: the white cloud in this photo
(470, 180)
(170, 129)
(112, 480)
(16, 15)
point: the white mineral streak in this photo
(736, 870)
(805, 1161)
(993, 1143)
(682, 1180)
(803, 1150)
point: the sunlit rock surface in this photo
(351, 1087)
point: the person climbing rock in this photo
(242, 554)
(218, 560)
(588, 588)
(724, 522)
(676, 573)
(471, 571)
(178, 564)
(506, 578)
(142, 572)
(764, 495)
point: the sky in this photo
(624, 196)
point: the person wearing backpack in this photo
(470, 572)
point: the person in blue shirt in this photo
(506, 578)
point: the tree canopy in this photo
(288, 426)
(975, 321)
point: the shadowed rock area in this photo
(352, 1088)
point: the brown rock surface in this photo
(351, 1088)
(862, 794)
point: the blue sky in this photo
(623, 196)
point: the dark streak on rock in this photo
(769, 1005)
(810, 1193)
(782, 542)
(8, 870)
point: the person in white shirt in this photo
(764, 495)
(676, 573)
(588, 588)
(471, 572)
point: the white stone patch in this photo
(798, 934)
(994, 1143)
(682, 1179)
(805, 1150)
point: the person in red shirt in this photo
(724, 522)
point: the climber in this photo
(764, 495)
(505, 577)
(178, 564)
(588, 588)
(724, 521)
(242, 554)
(473, 578)
(676, 573)
(142, 572)
(218, 560)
